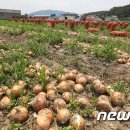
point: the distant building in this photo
(93, 18)
(9, 14)
(111, 18)
(68, 16)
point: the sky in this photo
(77, 6)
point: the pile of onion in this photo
(19, 113)
(77, 122)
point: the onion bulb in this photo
(104, 104)
(63, 86)
(37, 89)
(99, 87)
(46, 113)
(84, 101)
(58, 104)
(17, 90)
(63, 116)
(50, 86)
(39, 102)
(42, 123)
(5, 103)
(18, 113)
(78, 88)
(67, 96)
(71, 83)
(81, 80)
(117, 99)
(71, 76)
(77, 122)
(51, 95)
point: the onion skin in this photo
(18, 113)
(51, 95)
(8, 93)
(117, 99)
(77, 122)
(5, 103)
(46, 113)
(37, 89)
(67, 96)
(104, 104)
(58, 104)
(53, 128)
(39, 102)
(4, 88)
(71, 76)
(78, 88)
(50, 86)
(63, 116)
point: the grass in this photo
(15, 126)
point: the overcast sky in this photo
(77, 6)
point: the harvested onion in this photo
(58, 104)
(46, 113)
(39, 102)
(67, 96)
(4, 103)
(81, 80)
(37, 89)
(63, 116)
(18, 113)
(77, 122)
(63, 86)
(104, 104)
(84, 101)
(78, 88)
(117, 99)
(51, 95)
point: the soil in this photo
(107, 72)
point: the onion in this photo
(17, 90)
(63, 116)
(21, 83)
(42, 123)
(89, 78)
(84, 101)
(39, 102)
(37, 89)
(74, 71)
(78, 88)
(30, 53)
(43, 94)
(53, 128)
(77, 122)
(122, 61)
(99, 87)
(81, 80)
(18, 113)
(62, 77)
(4, 88)
(67, 96)
(5, 103)
(63, 86)
(46, 113)
(71, 83)
(50, 86)
(117, 99)
(104, 104)
(71, 76)
(110, 90)
(51, 95)
(58, 104)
